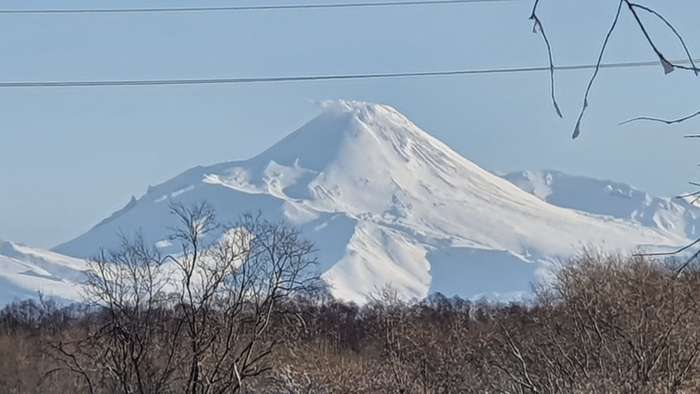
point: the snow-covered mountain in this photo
(25, 272)
(614, 199)
(385, 204)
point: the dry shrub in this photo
(604, 325)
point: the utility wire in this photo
(250, 7)
(328, 77)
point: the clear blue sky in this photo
(71, 156)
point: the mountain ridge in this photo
(386, 204)
(610, 198)
(27, 272)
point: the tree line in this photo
(246, 312)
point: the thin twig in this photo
(672, 253)
(660, 120)
(686, 264)
(577, 129)
(674, 30)
(668, 66)
(539, 28)
(688, 195)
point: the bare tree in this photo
(197, 321)
(119, 349)
(606, 325)
(229, 292)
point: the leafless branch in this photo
(671, 253)
(577, 129)
(693, 68)
(660, 120)
(539, 28)
(667, 64)
(676, 253)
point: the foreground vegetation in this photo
(605, 325)
(244, 312)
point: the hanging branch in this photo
(691, 194)
(539, 28)
(577, 129)
(668, 65)
(660, 120)
(671, 253)
(676, 252)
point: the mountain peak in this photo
(386, 204)
(363, 110)
(342, 125)
(359, 138)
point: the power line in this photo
(251, 7)
(328, 77)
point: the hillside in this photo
(386, 204)
(25, 271)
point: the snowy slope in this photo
(618, 200)
(24, 272)
(385, 204)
